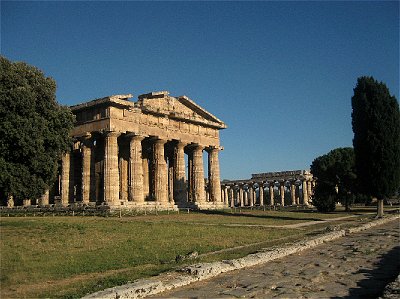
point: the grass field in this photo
(71, 256)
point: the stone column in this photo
(86, 167)
(251, 196)
(146, 184)
(160, 172)
(241, 197)
(66, 165)
(271, 193)
(214, 174)
(10, 201)
(293, 192)
(232, 197)
(111, 172)
(44, 199)
(226, 196)
(245, 197)
(199, 193)
(135, 190)
(261, 193)
(179, 173)
(305, 194)
(309, 189)
(282, 192)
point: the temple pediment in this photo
(182, 108)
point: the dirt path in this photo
(356, 266)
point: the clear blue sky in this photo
(280, 74)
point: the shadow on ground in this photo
(385, 272)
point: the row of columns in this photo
(245, 194)
(168, 182)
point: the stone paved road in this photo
(355, 266)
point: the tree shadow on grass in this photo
(277, 217)
(376, 279)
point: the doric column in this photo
(261, 193)
(199, 193)
(305, 194)
(111, 172)
(179, 173)
(293, 192)
(214, 174)
(309, 189)
(44, 199)
(246, 197)
(251, 196)
(226, 195)
(160, 172)
(86, 167)
(135, 186)
(66, 164)
(10, 201)
(282, 192)
(232, 196)
(271, 193)
(241, 197)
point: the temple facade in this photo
(284, 188)
(144, 154)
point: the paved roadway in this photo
(355, 266)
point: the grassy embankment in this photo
(72, 256)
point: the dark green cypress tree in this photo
(376, 127)
(34, 131)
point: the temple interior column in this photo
(271, 193)
(293, 192)
(198, 175)
(136, 177)
(111, 171)
(214, 175)
(179, 173)
(86, 168)
(160, 172)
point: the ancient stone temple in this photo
(284, 188)
(143, 154)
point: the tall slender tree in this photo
(34, 131)
(376, 127)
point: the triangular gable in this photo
(181, 108)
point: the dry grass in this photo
(71, 256)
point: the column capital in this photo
(212, 148)
(111, 133)
(134, 136)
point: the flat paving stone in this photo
(358, 265)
